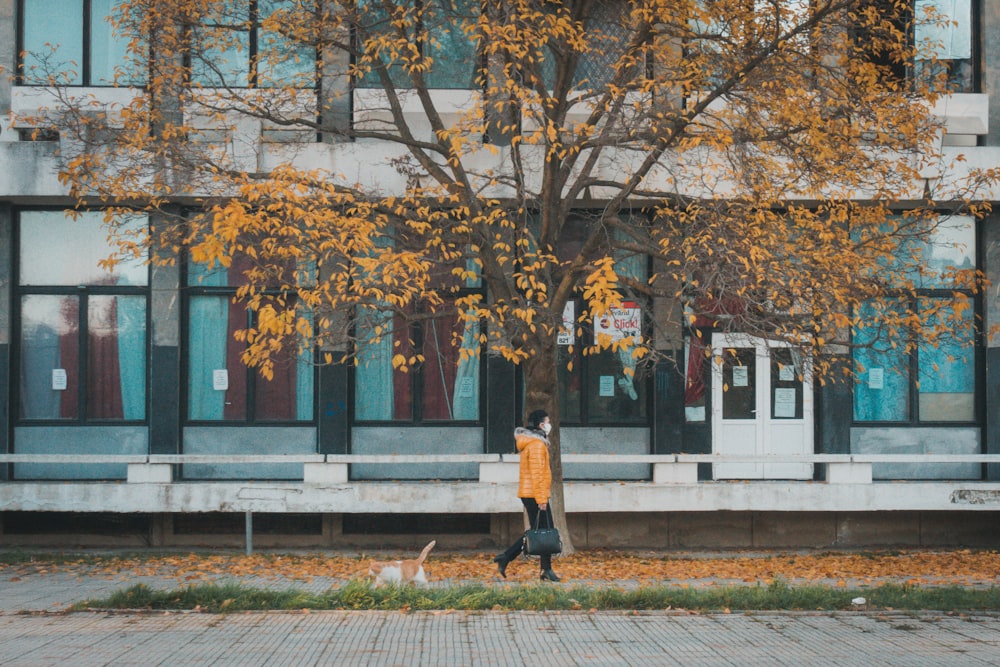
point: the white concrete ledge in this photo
(450, 497)
(150, 473)
(499, 473)
(849, 473)
(675, 473)
(325, 473)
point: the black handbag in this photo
(542, 541)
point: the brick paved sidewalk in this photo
(373, 639)
(33, 633)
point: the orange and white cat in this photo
(409, 571)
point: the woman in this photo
(534, 486)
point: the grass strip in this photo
(777, 595)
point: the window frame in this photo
(359, 83)
(191, 292)
(252, 72)
(83, 293)
(416, 331)
(912, 365)
(85, 66)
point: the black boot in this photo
(501, 562)
(549, 575)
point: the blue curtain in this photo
(208, 323)
(373, 387)
(132, 355)
(465, 398)
(304, 385)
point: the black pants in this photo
(543, 517)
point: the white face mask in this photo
(546, 427)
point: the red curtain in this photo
(69, 357)
(104, 384)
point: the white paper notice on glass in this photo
(58, 379)
(567, 333)
(784, 402)
(467, 388)
(741, 376)
(607, 385)
(786, 374)
(875, 378)
(220, 379)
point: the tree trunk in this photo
(542, 391)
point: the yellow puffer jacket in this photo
(536, 476)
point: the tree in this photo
(755, 166)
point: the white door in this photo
(761, 406)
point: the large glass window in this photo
(220, 387)
(444, 387)
(242, 44)
(72, 42)
(943, 33)
(906, 381)
(438, 34)
(82, 338)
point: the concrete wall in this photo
(416, 440)
(919, 441)
(668, 531)
(246, 440)
(606, 440)
(77, 440)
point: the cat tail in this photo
(427, 550)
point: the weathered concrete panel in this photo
(606, 440)
(247, 440)
(773, 529)
(417, 440)
(623, 530)
(29, 169)
(919, 441)
(962, 528)
(878, 529)
(77, 440)
(716, 530)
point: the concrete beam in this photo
(493, 498)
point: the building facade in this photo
(127, 415)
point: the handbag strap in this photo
(538, 518)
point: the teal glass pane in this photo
(947, 370)
(53, 42)
(882, 386)
(376, 22)
(221, 56)
(109, 49)
(280, 61)
(49, 357)
(451, 45)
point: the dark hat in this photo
(536, 418)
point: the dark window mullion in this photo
(251, 378)
(85, 69)
(417, 374)
(254, 35)
(82, 370)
